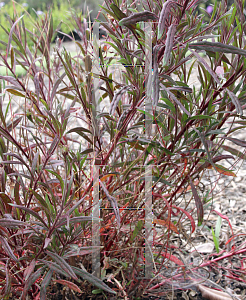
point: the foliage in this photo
(60, 17)
(58, 142)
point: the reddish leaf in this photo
(236, 141)
(70, 285)
(30, 269)
(199, 206)
(188, 215)
(224, 171)
(173, 259)
(167, 224)
(7, 248)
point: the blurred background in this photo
(63, 12)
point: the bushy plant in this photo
(66, 140)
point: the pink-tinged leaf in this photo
(12, 80)
(69, 284)
(112, 201)
(57, 83)
(31, 212)
(198, 202)
(80, 252)
(7, 288)
(236, 141)
(164, 15)
(11, 223)
(217, 47)
(46, 242)
(116, 99)
(63, 264)
(30, 281)
(219, 71)
(54, 267)
(172, 258)
(155, 80)
(45, 283)
(188, 216)
(138, 17)
(169, 43)
(13, 124)
(11, 33)
(7, 249)
(29, 270)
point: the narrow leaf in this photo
(199, 206)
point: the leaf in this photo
(31, 212)
(172, 96)
(75, 206)
(136, 231)
(234, 151)
(155, 80)
(198, 202)
(169, 43)
(11, 223)
(94, 280)
(217, 47)
(54, 267)
(30, 269)
(75, 220)
(15, 93)
(78, 130)
(13, 124)
(34, 163)
(236, 141)
(164, 15)
(31, 280)
(212, 294)
(5, 198)
(138, 17)
(225, 218)
(116, 99)
(63, 264)
(57, 83)
(7, 249)
(188, 215)
(216, 241)
(112, 201)
(167, 224)
(172, 258)
(69, 284)
(11, 33)
(12, 80)
(224, 171)
(45, 283)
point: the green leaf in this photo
(92, 279)
(216, 241)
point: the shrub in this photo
(146, 140)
